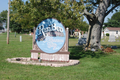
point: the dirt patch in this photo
(108, 49)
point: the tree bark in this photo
(95, 35)
(95, 25)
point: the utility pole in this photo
(8, 22)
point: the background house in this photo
(112, 31)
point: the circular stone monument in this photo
(50, 35)
(50, 39)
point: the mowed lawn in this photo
(102, 68)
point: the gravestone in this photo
(50, 39)
(102, 40)
(114, 47)
(79, 35)
(101, 37)
(82, 41)
(85, 35)
(20, 38)
(111, 38)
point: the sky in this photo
(4, 6)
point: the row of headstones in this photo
(82, 40)
(112, 38)
(82, 36)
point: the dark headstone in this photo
(114, 47)
(82, 41)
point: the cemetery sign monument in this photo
(50, 39)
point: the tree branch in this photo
(112, 9)
(89, 16)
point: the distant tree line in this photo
(26, 15)
(114, 21)
(3, 18)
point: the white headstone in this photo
(79, 35)
(111, 38)
(20, 38)
(102, 35)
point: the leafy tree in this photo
(95, 14)
(3, 16)
(114, 21)
(84, 26)
(67, 11)
(95, 11)
(15, 27)
(32, 12)
(116, 16)
(1, 26)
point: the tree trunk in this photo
(96, 35)
(95, 25)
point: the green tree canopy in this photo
(84, 26)
(3, 16)
(95, 14)
(116, 16)
(32, 12)
(114, 21)
(15, 27)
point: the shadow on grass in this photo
(105, 46)
(77, 52)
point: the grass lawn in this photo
(105, 42)
(102, 68)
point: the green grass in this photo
(110, 43)
(102, 68)
(73, 42)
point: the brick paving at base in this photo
(27, 61)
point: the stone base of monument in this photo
(59, 56)
(53, 57)
(28, 61)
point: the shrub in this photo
(78, 52)
(107, 34)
